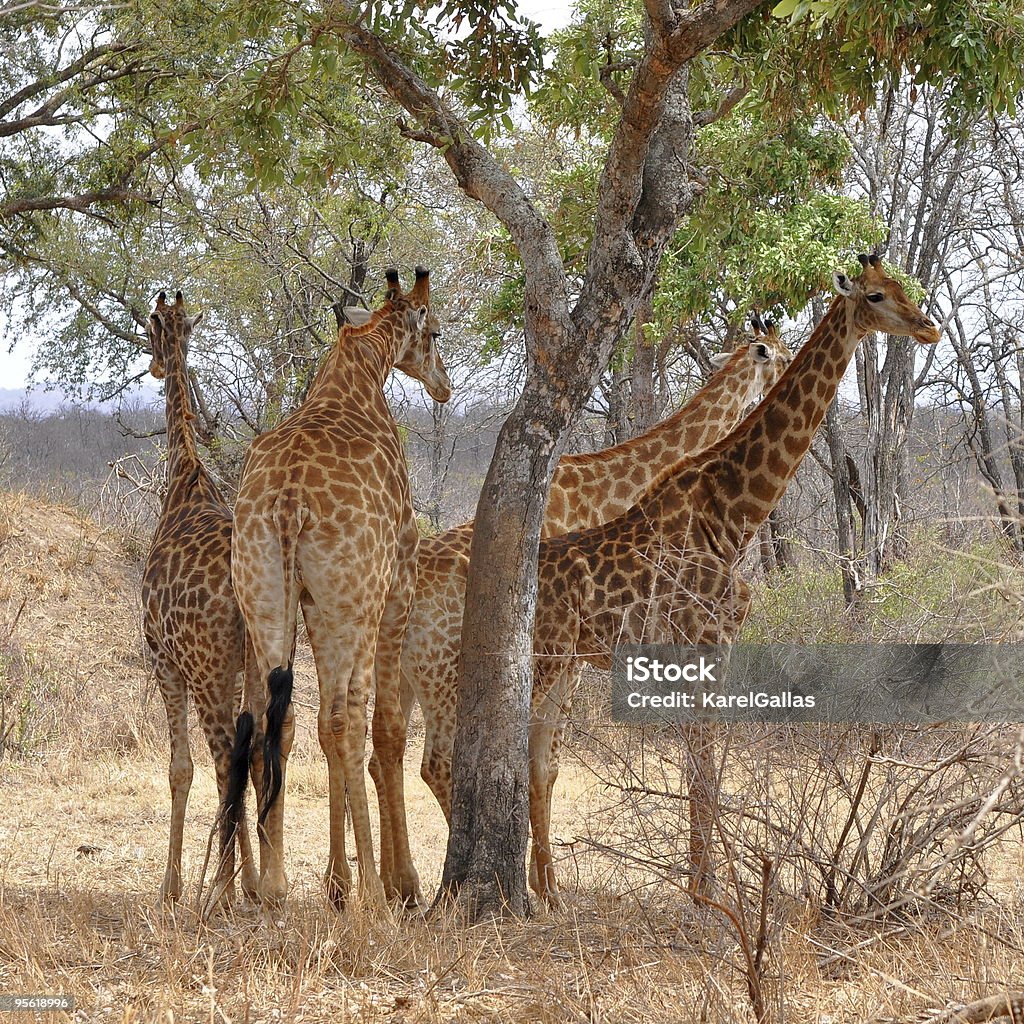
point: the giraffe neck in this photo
(182, 455)
(366, 353)
(690, 429)
(737, 483)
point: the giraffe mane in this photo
(712, 452)
(586, 458)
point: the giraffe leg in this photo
(542, 729)
(249, 874)
(387, 859)
(555, 682)
(389, 735)
(256, 776)
(273, 880)
(554, 752)
(338, 877)
(249, 877)
(273, 883)
(344, 661)
(408, 700)
(436, 768)
(351, 742)
(172, 689)
(218, 725)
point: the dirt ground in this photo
(83, 832)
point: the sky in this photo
(14, 366)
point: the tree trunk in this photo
(617, 420)
(644, 365)
(645, 188)
(778, 538)
(486, 856)
(887, 393)
(841, 493)
(439, 458)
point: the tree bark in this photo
(836, 440)
(643, 392)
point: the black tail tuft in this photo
(280, 685)
(233, 806)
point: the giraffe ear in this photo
(417, 318)
(356, 315)
(195, 320)
(719, 359)
(759, 352)
(842, 284)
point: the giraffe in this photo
(190, 618)
(324, 519)
(667, 569)
(586, 490)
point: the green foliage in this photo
(838, 55)
(605, 36)
(487, 53)
(768, 231)
(261, 98)
(936, 595)
(771, 226)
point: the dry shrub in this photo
(838, 833)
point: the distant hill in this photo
(40, 400)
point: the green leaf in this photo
(785, 8)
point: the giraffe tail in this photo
(233, 805)
(289, 517)
(280, 685)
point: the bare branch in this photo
(479, 175)
(76, 67)
(1010, 1004)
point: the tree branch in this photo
(119, 192)
(673, 41)
(724, 108)
(1011, 1004)
(76, 67)
(479, 175)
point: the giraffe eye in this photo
(875, 297)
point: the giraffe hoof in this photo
(371, 892)
(409, 894)
(338, 889)
(170, 892)
(272, 892)
(552, 900)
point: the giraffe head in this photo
(168, 327)
(767, 353)
(881, 304)
(416, 332)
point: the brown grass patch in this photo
(83, 841)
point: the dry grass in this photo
(82, 845)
